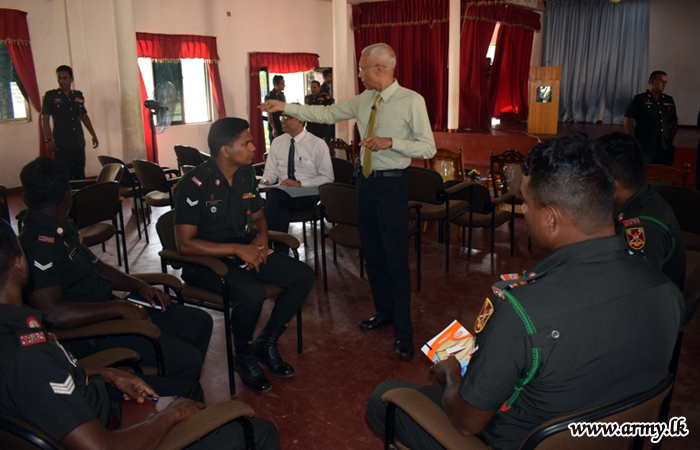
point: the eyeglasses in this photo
(363, 68)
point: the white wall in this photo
(673, 48)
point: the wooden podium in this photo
(544, 100)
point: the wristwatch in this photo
(47, 140)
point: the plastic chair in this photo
(208, 299)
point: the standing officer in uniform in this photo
(396, 126)
(67, 107)
(642, 217)
(651, 119)
(570, 313)
(274, 126)
(44, 385)
(74, 288)
(316, 97)
(219, 213)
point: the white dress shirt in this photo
(312, 160)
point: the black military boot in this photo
(267, 353)
(248, 369)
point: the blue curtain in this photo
(603, 50)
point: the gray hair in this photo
(381, 54)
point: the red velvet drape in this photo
(509, 74)
(417, 30)
(275, 63)
(175, 47)
(14, 33)
(146, 115)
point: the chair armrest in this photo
(79, 184)
(503, 198)
(459, 187)
(110, 328)
(213, 264)
(203, 423)
(109, 357)
(157, 278)
(287, 239)
(432, 419)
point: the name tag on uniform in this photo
(212, 205)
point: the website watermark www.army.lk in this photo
(675, 427)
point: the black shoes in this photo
(374, 322)
(265, 349)
(251, 374)
(404, 349)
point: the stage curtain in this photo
(174, 47)
(417, 30)
(603, 50)
(14, 33)
(275, 63)
(508, 80)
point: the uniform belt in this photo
(387, 173)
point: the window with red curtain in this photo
(14, 33)
(275, 63)
(418, 31)
(508, 87)
(176, 47)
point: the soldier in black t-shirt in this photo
(564, 333)
(67, 108)
(43, 384)
(318, 98)
(219, 213)
(274, 124)
(651, 119)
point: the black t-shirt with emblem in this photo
(605, 323)
(40, 382)
(57, 257)
(649, 227)
(322, 99)
(221, 212)
(67, 112)
(652, 122)
(276, 95)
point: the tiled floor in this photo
(323, 406)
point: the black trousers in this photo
(185, 339)
(247, 294)
(278, 206)
(231, 437)
(383, 222)
(406, 431)
(74, 159)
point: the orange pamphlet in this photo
(455, 341)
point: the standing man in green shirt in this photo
(395, 125)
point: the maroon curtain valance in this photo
(283, 62)
(166, 47)
(13, 26)
(506, 15)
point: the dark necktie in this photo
(290, 162)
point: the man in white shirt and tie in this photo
(296, 159)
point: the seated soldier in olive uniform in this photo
(44, 385)
(219, 213)
(643, 218)
(74, 288)
(591, 350)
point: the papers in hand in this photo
(293, 192)
(455, 341)
(134, 297)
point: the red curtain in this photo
(275, 63)
(509, 74)
(417, 30)
(173, 47)
(14, 33)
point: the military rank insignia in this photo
(635, 237)
(196, 181)
(248, 195)
(484, 315)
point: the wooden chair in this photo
(427, 189)
(685, 204)
(501, 181)
(448, 164)
(661, 175)
(553, 434)
(170, 256)
(341, 149)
